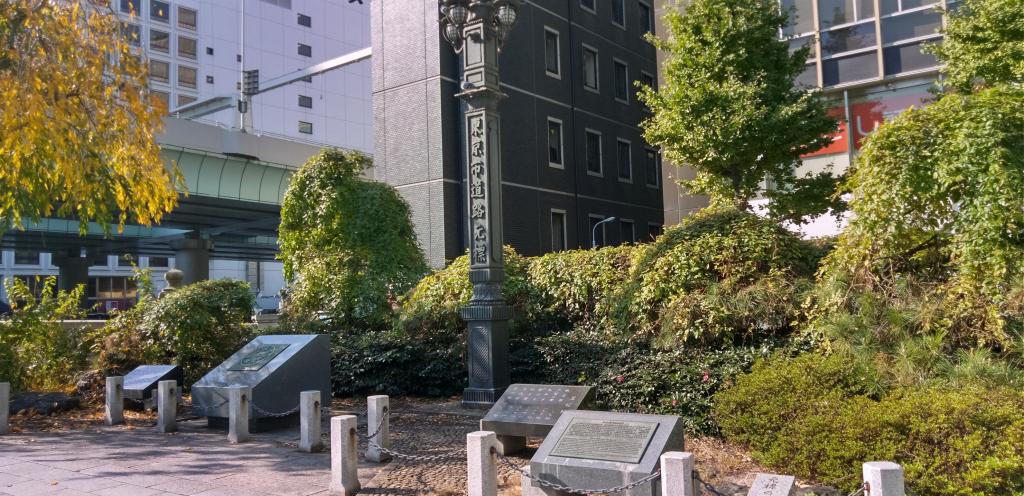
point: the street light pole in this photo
(593, 232)
(477, 29)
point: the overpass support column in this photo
(73, 269)
(192, 257)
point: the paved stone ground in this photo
(135, 460)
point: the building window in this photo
(848, 39)
(621, 81)
(552, 54)
(893, 6)
(589, 5)
(849, 69)
(646, 17)
(839, 12)
(186, 77)
(305, 20)
(100, 260)
(209, 50)
(160, 262)
(307, 79)
(159, 41)
(624, 154)
(907, 58)
(555, 143)
(305, 127)
(131, 33)
(801, 17)
(162, 99)
(590, 69)
(619, 13)
(187, 18)
(597, 233)
(130, 7)
(628, 231)
(651, 169)
(160, 71)
(558, 230)
(185, 100)
(594, 159)
(187, 47)
(159, 11)
(209, 79)
(305, 101)
(305, 50)
(26, 257)
(653, 231)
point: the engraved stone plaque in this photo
(772, 485)
(531, 409)
(258, 357)
(610, 440)
(140, 382)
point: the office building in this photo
(572, 150)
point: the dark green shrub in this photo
(393, 363)
(347, 243)
(808, 416)
(37, 352)
(196, 326)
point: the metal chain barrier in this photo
(275, 414)
(405, 456)
(585, 492)
(860, 490)
(705, 485)
(207, 409)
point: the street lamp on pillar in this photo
(477, 29)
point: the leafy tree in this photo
(937, 194)
(347, 243)
(983, 44)
(76, 122)
(729, 107)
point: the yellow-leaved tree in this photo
(76, 119)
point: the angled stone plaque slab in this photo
(140, 383)
(277, 368)
(592, 450)
(772, 485)
(532, 409)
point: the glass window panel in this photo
(186, 77)
(305, 127)
(26, 257)
(889, 6)
(801, 16)
(554, 142)
(160, 70)
(158, 261)
(185, 100)
(551, 54)
(557, 231)
(159, 11)
(906, 58)
(90, 289)
(131, 33)
(651, 167)
(865, 9)
(619, 12)
(305, 101)
(913, 4)
(798, 43)
(621, 81)
(628, 231)
(130, 6)
(161, 98)
(835, 12)
(848, 69)
(187, 47)
(846, 39)
(305, 20)
(187, 18)
(913, 25)
(305, 50)
(625, 160)
(594, 152)
(159, 41)
(808, 78)
(590, 68)
(588, 4)
(646, 18)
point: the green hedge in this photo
(810, 416)
(196, 326)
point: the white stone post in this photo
(677, 474)
(167, 406)
(344, 461)
(481, 463)
(5, 406)
(377, 408)
(114, 413)
(238, 414)
(883, 479)
(309, 422)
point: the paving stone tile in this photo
(185, 487)
(31, 488)
(127, 490)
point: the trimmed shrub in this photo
(808, 416)
(36, 351)
(196, 326)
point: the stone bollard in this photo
(239, 398)
(677, 474)
(883, 479)
(376, 412)
(309, 422)
(344, 460)
(114, 413)
(5, 406)
(167, 406)
(481, 463)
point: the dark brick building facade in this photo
(572, 153)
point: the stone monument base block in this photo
(263, 424)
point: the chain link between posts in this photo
(405, 456)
